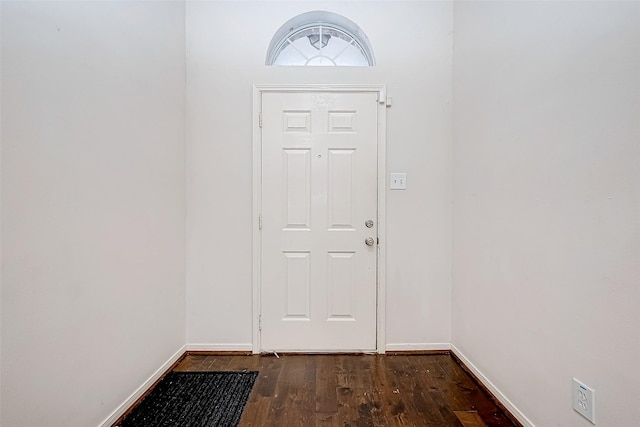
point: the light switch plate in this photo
(398, 181)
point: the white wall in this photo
(226, 48)
(1, 259)
(93, 194)
(547, 203)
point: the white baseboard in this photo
(220, 347)
(419, 346)
(120, 410)
(493, 389)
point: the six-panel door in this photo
(319, 189)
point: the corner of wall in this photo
(497, 393)
(144, 387)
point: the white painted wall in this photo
(226, 49)
(93, 210)
(547, 203)
(1, 259)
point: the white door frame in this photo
(258, 90)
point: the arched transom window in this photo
(320, 39)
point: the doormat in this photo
(194, 399)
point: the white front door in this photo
(319, 208)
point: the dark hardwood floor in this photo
(357, 390)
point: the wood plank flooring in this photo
(357, 390)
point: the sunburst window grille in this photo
(320, 39)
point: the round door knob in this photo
(369, 241)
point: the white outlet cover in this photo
(584, 400)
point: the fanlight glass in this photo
(320, 39)
(320, 46)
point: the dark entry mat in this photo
(194, 399)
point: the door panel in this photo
(342, 197)
(319, 187)
(342, 286)
(297, 267)
(296, 171)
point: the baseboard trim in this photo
(494, 392)
(144, 388)
(418, 347)
(218, 353)
(417, 352)
(224, 348)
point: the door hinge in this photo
(260, 119)
(260, 322)
(259, 221)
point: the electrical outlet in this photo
(584, 400)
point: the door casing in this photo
(258, 90)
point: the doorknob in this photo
(369, 241)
